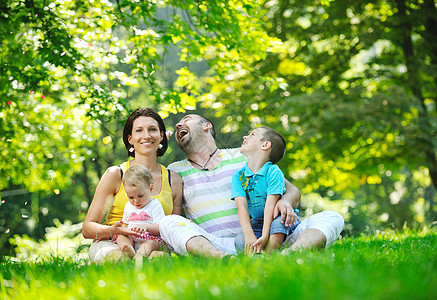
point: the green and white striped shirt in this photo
(207, 194)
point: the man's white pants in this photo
(176, 231)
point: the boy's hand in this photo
(287, 213)
(259, 244)
(248, 242)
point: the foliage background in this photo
(351, 85)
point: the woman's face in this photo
(145, 136)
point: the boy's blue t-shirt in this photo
(256, 187)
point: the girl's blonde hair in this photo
(137, 175)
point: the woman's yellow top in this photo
(165, 197)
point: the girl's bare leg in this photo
(125, 244)
(147, 247)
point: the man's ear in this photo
(151, 187)
(266, 145)
(207, 126)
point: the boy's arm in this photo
(243, 216)
(285, 205)
(268, 219)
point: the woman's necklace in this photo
(203, 167)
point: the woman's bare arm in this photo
(177, 190)
(106, 189)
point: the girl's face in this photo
(139, 196)
(145, 136)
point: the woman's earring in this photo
(160, 146)
(131, 149)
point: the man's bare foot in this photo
(128, 250)
(288, 251)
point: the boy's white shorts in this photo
(176, 231)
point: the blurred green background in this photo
(351, 85)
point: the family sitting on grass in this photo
(234, 199)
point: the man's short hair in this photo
(204, 120)
(278, 143)
(137, 175)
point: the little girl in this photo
(141, 214)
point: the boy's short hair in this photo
(278, 144)
(137, 175)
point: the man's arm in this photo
(285, 205)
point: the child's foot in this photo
(128, 250)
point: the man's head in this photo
(191, 130)
(265, 139)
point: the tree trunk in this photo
(86, 183)
(430, 36)
(414, 82)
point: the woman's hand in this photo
(119, 229)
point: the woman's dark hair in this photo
(144, 112)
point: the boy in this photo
(141, 214)
(256, 188)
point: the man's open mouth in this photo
(182, 133)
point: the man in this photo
(213, 225)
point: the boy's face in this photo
(139, 196)
(252, 141)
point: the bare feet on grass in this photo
(128, 250)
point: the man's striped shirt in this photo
(207, 194)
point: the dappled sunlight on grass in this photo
(384, 266)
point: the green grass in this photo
(390, 266)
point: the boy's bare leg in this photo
(125, 244)
(309, 239)
(275, 242)
(200, 245)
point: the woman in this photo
(145, 140)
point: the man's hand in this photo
(287, 213)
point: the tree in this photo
(66, 65)
(354, 90)
(69, 70)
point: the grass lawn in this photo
(389, 266)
